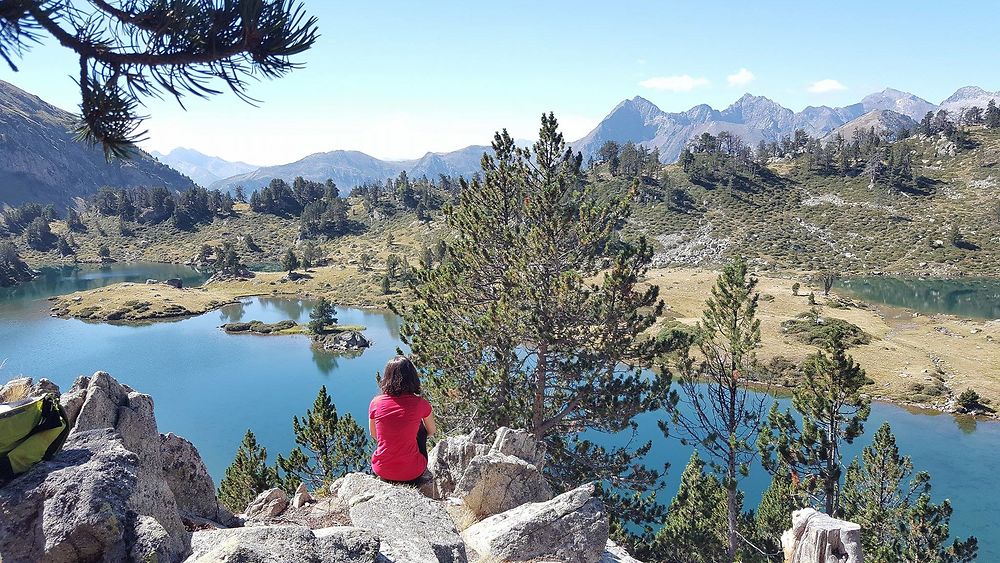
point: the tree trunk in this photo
(538, 411)
(733, 509)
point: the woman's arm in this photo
(429, 424)
(371, 428)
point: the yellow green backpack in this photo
(31, 430)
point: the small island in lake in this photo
(326, 334)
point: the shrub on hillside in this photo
(815, 329)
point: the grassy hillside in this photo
(342, 277)
(791, 219)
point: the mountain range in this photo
(202, 168)
(351, 168)
(756, 118)
(41, 160)
(639, 120)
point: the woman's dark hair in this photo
(400, 377)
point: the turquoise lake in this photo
(210, 387)
(967, 298)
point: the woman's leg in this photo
(422, 440)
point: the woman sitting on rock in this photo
(400, 421)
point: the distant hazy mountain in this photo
(753, 118)
(351, 168)
(41, 161)
(969, 96)
(882, 120)
(200, 167)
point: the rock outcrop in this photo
(347, 341)
(495, 483)
(289, 544)
(21, 387)
(84, 505)
(572, 527)
(188, 478)
(412, 527)
(109, 404)
(448, 460)
(818, 538)
(614, 553)
(118, 490)
(490, 479)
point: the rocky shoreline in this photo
(140, 495)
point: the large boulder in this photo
(452, 457)
(109, 404)
(816, 536)
(449, 459)
(86, 504)
(495, 483)
(188, 479)
(412, 527)
(571, 528)
(289, 544)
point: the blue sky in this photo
(396, 79)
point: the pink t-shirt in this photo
(397, 420)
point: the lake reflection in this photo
(971, 298)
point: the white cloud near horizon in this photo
(742, 77)
(825, 85)
(678, 83)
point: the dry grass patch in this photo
(913, 359)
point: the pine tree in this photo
(721, 413)
(386, 285)
(892, 504)
(774, 513)
(366, 261)
(289, 262)
(321, 316)
(878, 492)
(927, 534)
(328, 446)
(992, 115)
(74, 222)
(247, 476)
(427, 260)
(441, 251)
(833, 411)
(540, 286)
(311, 254)
(695, 529)
(65, 249)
